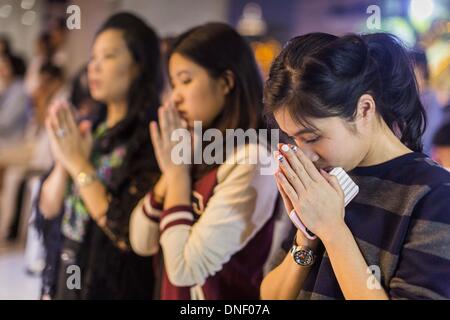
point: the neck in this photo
(116, 112)
(386, 146)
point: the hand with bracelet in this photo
(71, 147)
(318, 199)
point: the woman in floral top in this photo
(97, 179)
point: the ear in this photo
(365, 110)
(227, 82)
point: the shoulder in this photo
(424, 171)
(252, 159)
(414, 185)
(435, 203)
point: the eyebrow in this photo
(111, 49)
(303, 131)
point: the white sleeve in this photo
(144, 228)
(243, 201)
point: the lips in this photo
(94, 84)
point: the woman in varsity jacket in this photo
(352, 102)
(213, 221)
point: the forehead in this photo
(288, 124)
(178, 63)
(292, 127)
(109, 39)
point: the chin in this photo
(98, 97)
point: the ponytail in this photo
(399, 103)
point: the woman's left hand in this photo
(169, 160)
(70, 147)
(316, 196)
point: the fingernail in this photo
(294, 148)
(280, 158)
(285, 148)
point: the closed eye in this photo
(313, 140)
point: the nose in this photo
(94, 65)
(309, 152)
(176, 97)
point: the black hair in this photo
(80, 97)
(218, 48)
(6, 44)
(80, 88)
(319, 75)
(17, 65)
(442, 136)
(419, 57)
(52, 70)
(45, 40)
(60, 24)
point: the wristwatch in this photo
(302, 255)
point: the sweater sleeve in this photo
(424, 264)
(242, 202)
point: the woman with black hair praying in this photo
(97, 179)
(352, 102)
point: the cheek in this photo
(329, 152)
(201, 104)
(339, 151)
(119, 78)
(193, 103)
(214, 104)
(4, 72)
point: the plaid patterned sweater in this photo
(401, 222)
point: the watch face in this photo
(303, 257)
